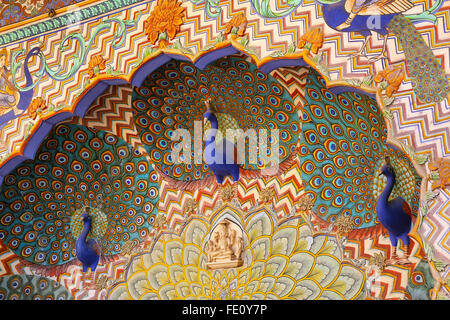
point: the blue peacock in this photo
(75, 170)
(173, 97)
(383, 16)
(343, 148)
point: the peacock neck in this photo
(384, 196)
(214, 126)
(85, 232)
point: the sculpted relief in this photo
(225, 247)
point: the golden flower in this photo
(160, 222)
(166, 17)
(96, 64)
(267, 195)
(343, 224)
(312, 40)
(102, 282)
(237, 25)
(306, 203)
(393, 76)
(378, 260)
(190, 206)
(36, 107)
(127, 247)
(227, 193)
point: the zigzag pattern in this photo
(8, 261)
(112, 112)
(391, 284)
(435, 225)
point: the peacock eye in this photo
(418, 278)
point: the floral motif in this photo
(378, 260)
(36, 107)
(227, 193)
(343, 224)
(390, 78)
(102, 282)
(128, 247)
(305, 203)
(96, 65)
(312, 40)
(266, 195)
(190, 206)
(236, 26)
(160, 222)
(164, 22)
(285, 262)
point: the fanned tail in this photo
(428, 77)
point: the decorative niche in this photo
(225, 246)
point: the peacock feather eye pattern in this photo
(244, 97)
(280, 262)
(42, 200)
(31, 287)
(343, 146)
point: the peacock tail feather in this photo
(41, 200)
(173, 96)
(31, 287)
(342, 148)
(428, 77)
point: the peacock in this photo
(88, 250)
(342, 150)
(395, 214)
(43, 200)
(173, 98)
(383, 16)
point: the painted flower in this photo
(391, 77)
(236, 26)
(280, 262)
(36, 107)
(227, 193)
(190, 206)
(312, 40)
(96, 64)
(267, 195)
(160, 222)
(378, 260)
(164, 22)
(305, 203)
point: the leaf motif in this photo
(388, 101)
(367, 81)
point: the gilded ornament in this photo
(312, 40)
(391, 78)
(343, 224)
(236, 26)
(164, 22)
(96, 65)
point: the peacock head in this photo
(387, 169)
(210, 112)
(86, 217)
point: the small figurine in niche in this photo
(225, 247)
